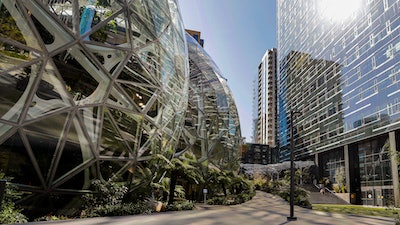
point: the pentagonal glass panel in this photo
(43, 147)
(153, 108)
(112, 142)
(118, 98)
(13, 26)
(150, 140)
(150, 58)
(15, 162)
(51, 95)
(168, 69)
(85, 81)
(151, 15)
(3, 129)
(129, 125)
(180, 57)
(80, 181)
(167, 40)
(112, 169)
(176, 18)
(141, 34)
(64, 11)
(135, 72)
(76, 151)
(15, 88)
(139, 94)
(92, 121)
(112, 26)
(110, 58)
(13, 57)
(43, 137)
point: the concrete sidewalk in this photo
(263, 209)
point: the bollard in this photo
(205, 195)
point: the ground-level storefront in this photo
(368, 169)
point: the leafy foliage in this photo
(121, 209)
(106, 193)
(10, 213)
(282, 188)
(301, 196)
(231, 200)
(228, 188)
(180, 205)
(49, 218)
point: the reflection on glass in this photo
(338, 10)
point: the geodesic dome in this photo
(88, 88)
(213, 116)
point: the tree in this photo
(184, 167)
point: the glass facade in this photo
(88, 89)
(212, 122)
(339, 67)
(339, 72)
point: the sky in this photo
(236, 35)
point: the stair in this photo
(328, 198)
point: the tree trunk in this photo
(174, 178)
(224, 189)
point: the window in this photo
(393, 75)
(331, 110)
(321, 81)
(373, 62)
(390, 51)
(357, 52)
(388, 28)
(371, 40)
(385, 4)
(369, 19)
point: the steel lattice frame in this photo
(88, 88)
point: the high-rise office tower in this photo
(266, 122)
(254, 111)
(340, 69)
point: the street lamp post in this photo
(292, 217)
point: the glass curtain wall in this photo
(339, 67)
(375, 172)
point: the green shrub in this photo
(106, 193)
(241, 198)
(50, 218)
(10, 215)
(121, 209)
(301, 196)
(259, 183)
(273, 186)
(219, 200)
(179, 206)
(106, 200)
(231, 200)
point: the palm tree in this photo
(184, 167)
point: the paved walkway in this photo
(263, 209)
